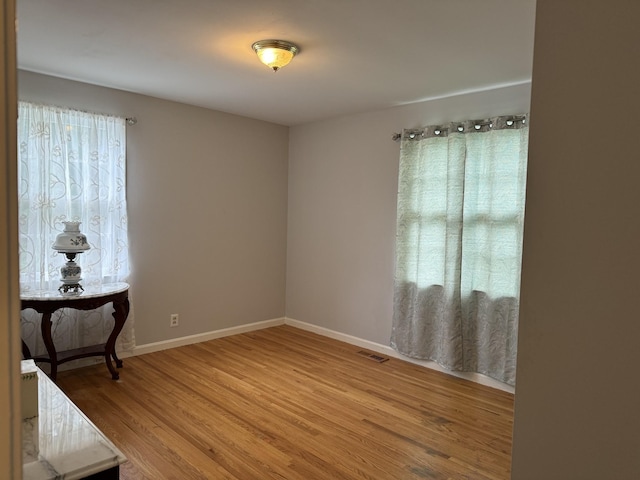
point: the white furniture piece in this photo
(62, 443)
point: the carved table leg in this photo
(120, 313)
(45, 327)
(26, 353)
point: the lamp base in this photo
(70, 289)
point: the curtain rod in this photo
(128, 120)
(505, 121)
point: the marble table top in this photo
(89, 292)
(61, 442)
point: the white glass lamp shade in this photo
(275, 54)
(71, 239)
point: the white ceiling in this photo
(356, 55)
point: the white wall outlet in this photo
(174, 320)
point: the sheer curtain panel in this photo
(461, 201)
(72, 167)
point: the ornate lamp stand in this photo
(71, 242)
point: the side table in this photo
(47, 302)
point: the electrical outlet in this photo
(174, 320)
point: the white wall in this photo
(342, 209)
(207, 200)
(207, 196)
(577, 404)
(215, 184)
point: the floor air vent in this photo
(373, 356)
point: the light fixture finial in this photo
(275, 54)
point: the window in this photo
(71, 167)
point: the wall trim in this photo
(343, 337)
(390, 352)
(201, 337)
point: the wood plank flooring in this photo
(283, 403)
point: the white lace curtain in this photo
(72, 167)
(459, 244)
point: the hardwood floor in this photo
(283, 403)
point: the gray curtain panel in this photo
(460, 221)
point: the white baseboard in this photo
(343, 337)
(387, 350)
(201, 337)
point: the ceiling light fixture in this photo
(275, 54)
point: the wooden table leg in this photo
(120, 313)
(45, 328)
(26, 353)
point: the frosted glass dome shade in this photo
(71, 239)
(275, 54)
